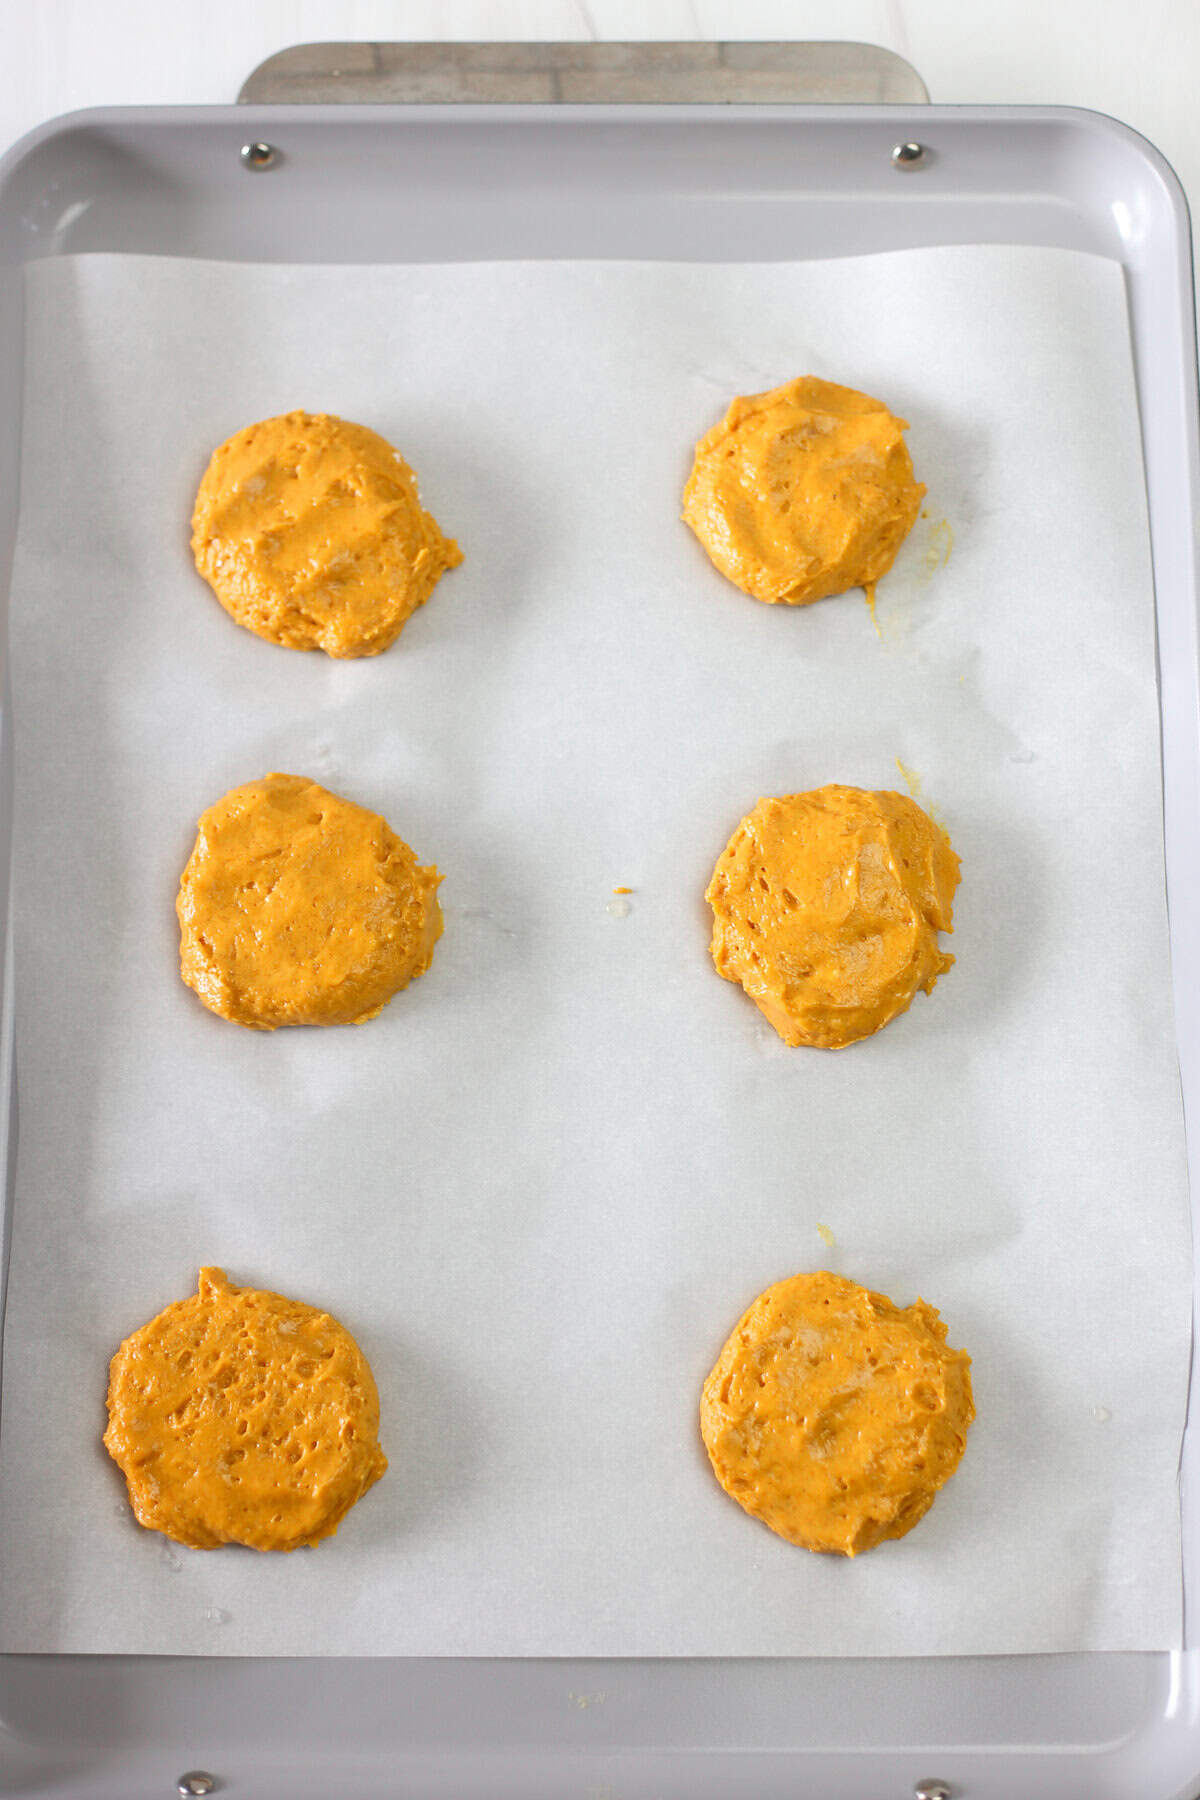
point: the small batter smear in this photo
(915, 786)
(911, 779)
(938, 549)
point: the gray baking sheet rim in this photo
(356, 184)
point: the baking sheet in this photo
(542, 1186)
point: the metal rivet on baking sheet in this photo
(931, 1790)
(904, 156)
(258, 156)
(196, 1781)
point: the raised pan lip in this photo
(716, 112)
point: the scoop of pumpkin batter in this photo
(309, 530)
(833, 1415)
(826, 908)
(803, 491)
(239, 1417)
(300, 908)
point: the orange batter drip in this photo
(833, 1415)
(240, 1417)
(826, 908)
(300, 908)
(803, 491)
(310, 531)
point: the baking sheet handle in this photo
(609, 74)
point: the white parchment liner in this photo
(543, 1185)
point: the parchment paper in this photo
(544, 1184)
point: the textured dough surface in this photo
(833, 1415)
(310, 532)
(240, 1417)
(803, 491)
(300, 908)
(826, 909)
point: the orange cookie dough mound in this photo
(309, 530)
(239, 1417)
(834, 1416)
(803, 491)
(299, 908)
(826, 908)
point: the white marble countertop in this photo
(1138, 63)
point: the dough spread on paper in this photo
(240, 1417)
(833, 1415)
(310, 532)
(803, 491)
(827, 907)
(300, 908)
